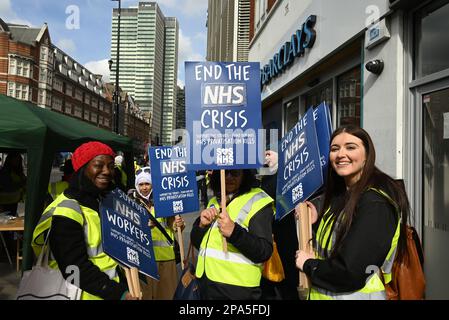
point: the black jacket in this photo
(68, 244)
(256, 244)
(366, 244)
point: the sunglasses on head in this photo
(139, 171)
(234, 173)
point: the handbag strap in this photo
(191, 250)
(156, 223)
(42, 260)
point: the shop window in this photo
(291, 111)
(315, 97)
(348, 102)
(432, 42)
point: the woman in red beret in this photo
(74, 220)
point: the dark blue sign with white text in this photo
(223, 115)
(323, 127)
(299, 167)
(175, 189)
(125, 233)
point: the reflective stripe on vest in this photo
(374, 289)
(232, 267)
(90, 221)
(163, 250)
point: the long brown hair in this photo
(371, 176)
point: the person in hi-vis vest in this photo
(361, 229)
(164, 252)
(246, 226)
(58, 187)
(73, 223)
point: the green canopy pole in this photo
(38, 175)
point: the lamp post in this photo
(116, 91)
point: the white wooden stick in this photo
(223, 203)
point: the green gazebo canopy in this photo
(41, 133)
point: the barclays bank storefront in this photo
(380, 64)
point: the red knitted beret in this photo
(89, 150)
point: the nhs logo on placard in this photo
(133, 256)
(225, 156)
(223, 94)
(297, 193)
(178, 206)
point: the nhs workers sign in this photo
(303, 38)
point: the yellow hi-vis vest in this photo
(163, 251)
(374, 288)
(232, 267)
(56, 188)
(123, 176)
(90, 221)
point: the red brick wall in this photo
(4, 44)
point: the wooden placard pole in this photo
(132, 278)
(223, 203)
(304, 229)
(136, 283)
(181, 244)
(129, 280)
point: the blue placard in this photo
(175, 189)
(299, 168)
(321, 116)
(223, 115)
(126, 235)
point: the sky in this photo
(82, 28)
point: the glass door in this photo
(436, 192)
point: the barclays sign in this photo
(303, 38)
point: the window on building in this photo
(321, 94)
(78, 112)
(68, 108)
(432, 41)
(49, 78)
(40, 97)
(12, 66)
(26, 70)
(43, 75)
(19, 67)
(260, 12)
(57, 104)
(79, 95)
(291, 112)
(43, 53)
(86, 114)
(348, 101)
(11, 87)
(57, 85)
(93, 117)
(68, 90)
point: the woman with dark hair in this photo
(246, 226)
(361, 230)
